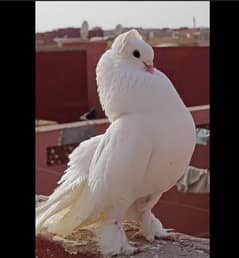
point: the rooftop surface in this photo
(82, 244)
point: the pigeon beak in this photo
(149, 67)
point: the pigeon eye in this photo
(136, 54)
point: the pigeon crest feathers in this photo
(121, 42)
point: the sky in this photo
(147, 14)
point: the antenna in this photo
(194, 22)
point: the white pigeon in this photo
(122, 173)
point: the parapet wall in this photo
(66, 79)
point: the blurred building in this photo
(194, 33)
(48, 38)
(155, 36)
(96, 32)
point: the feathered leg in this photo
(113, 241)
(150, 226)
(111, 237)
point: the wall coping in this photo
(53, 127)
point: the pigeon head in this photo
(130, 46)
